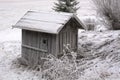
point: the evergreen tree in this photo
(66, 6)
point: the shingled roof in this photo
(45, 22)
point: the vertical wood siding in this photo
(34, 41)
(68, 35)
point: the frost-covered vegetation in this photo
(109, 10)
(101, 60)
(90, 23)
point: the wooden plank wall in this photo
(32, 41)
(68, 35)
(53, 44)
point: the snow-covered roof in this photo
(44, 22)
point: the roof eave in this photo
(63, 25)
(79, 21)
(74, 16)
(33, 29)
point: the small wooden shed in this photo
(47, 33)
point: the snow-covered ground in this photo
(104, 65)
(105, 45)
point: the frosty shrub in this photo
(64, 68)
(91, 23)
(109, 10)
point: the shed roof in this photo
(45, 22)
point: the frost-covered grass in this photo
(104, 46)
(101, 60)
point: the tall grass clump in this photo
(91, 23)
(110, 11)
